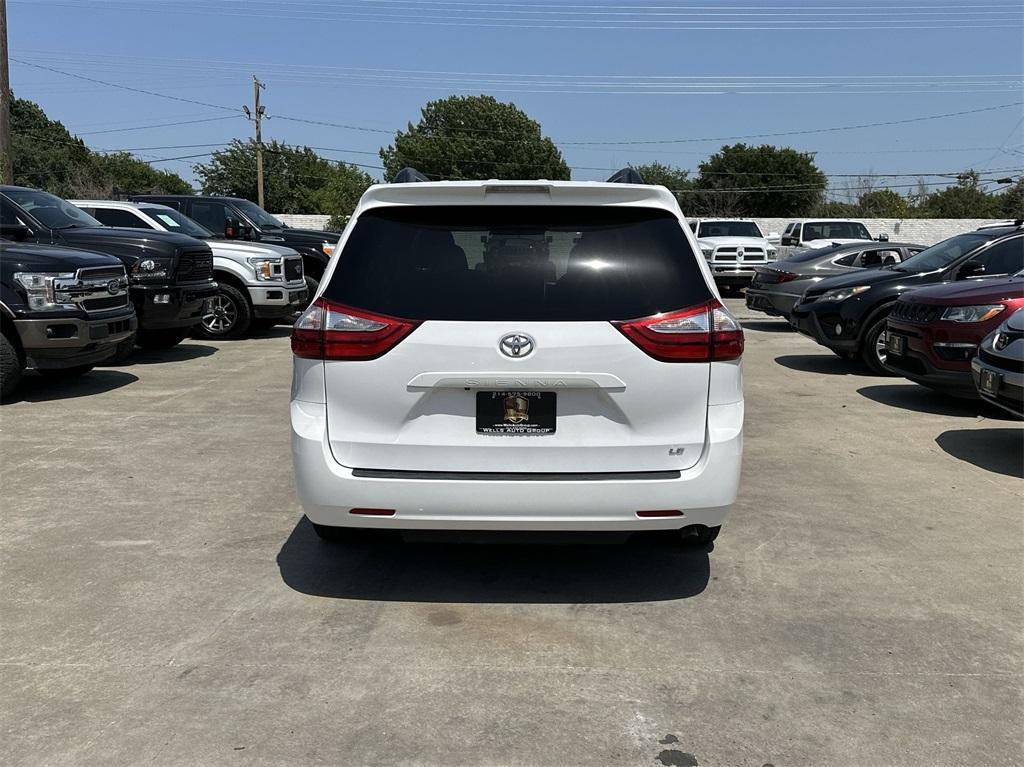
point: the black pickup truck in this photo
(62, 311)
(170, 275)
(240, 219)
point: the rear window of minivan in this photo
(517, 263)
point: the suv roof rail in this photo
(409, 176)
(627, 176)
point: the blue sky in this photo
(588, 70)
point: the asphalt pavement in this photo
(165, 603)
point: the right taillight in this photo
(329, 331)
(785, 276)
(703, 333)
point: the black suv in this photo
(61, 311)
(242, 219)
(848, 314)
(170, 275)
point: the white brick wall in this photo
(924, 231)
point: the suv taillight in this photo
(703, 333)
(329, 331)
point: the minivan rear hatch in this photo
(501, 346)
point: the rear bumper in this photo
(774, 304)
(329, 491)
(53, 344)
(731, 274)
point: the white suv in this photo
(517, 355)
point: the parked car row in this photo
(736, 247)
(942, 316)
(84, 282)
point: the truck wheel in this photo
(872, 347)
(161, 339)
(66, 373)
(10, 367)
(228, 316)
(122, 351)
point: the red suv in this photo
(934, 332)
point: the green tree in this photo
(882, 203)
(793, 185)
(965, 200)
(474, 137)
(46, 155)
(677, 180)
(296, 179)
(1012, 200)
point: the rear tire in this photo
(161, 339)
(872, 347)
(10, 367)
(66, 373)
(229, 316)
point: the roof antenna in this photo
(627, 176)
(409, 176)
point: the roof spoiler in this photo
(627, 176)
(409, 176)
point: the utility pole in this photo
(6, 160)
(256, 116)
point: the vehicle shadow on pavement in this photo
(921, 399)
(767, 326)
(1000, 451)
(39, 388)
(388, 569)
(828, 364)
(180, 353)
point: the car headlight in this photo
(266, 268)
(147, 269)
(327, 248)
(841, 294)
(44, 291)
(978, 313)
(772, 252)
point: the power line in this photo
(158, 125)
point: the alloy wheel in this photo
(221, 316)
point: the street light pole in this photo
(6, 159)
(257, 86)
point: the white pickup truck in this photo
(733, 248)
(259, 283)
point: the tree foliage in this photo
(882, 203)
(47, 156)
(474, 137)
(793, 184)
(965, 200)
(676, 180)
(296, 179)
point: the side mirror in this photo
(16, 232)
(970, 269)
(883, 237)
(787, 241)
(245, 232)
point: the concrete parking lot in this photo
(164, 602)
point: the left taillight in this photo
(329, 331)
(703, 333)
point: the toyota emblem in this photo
(516, 345)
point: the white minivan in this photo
(517, 355)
